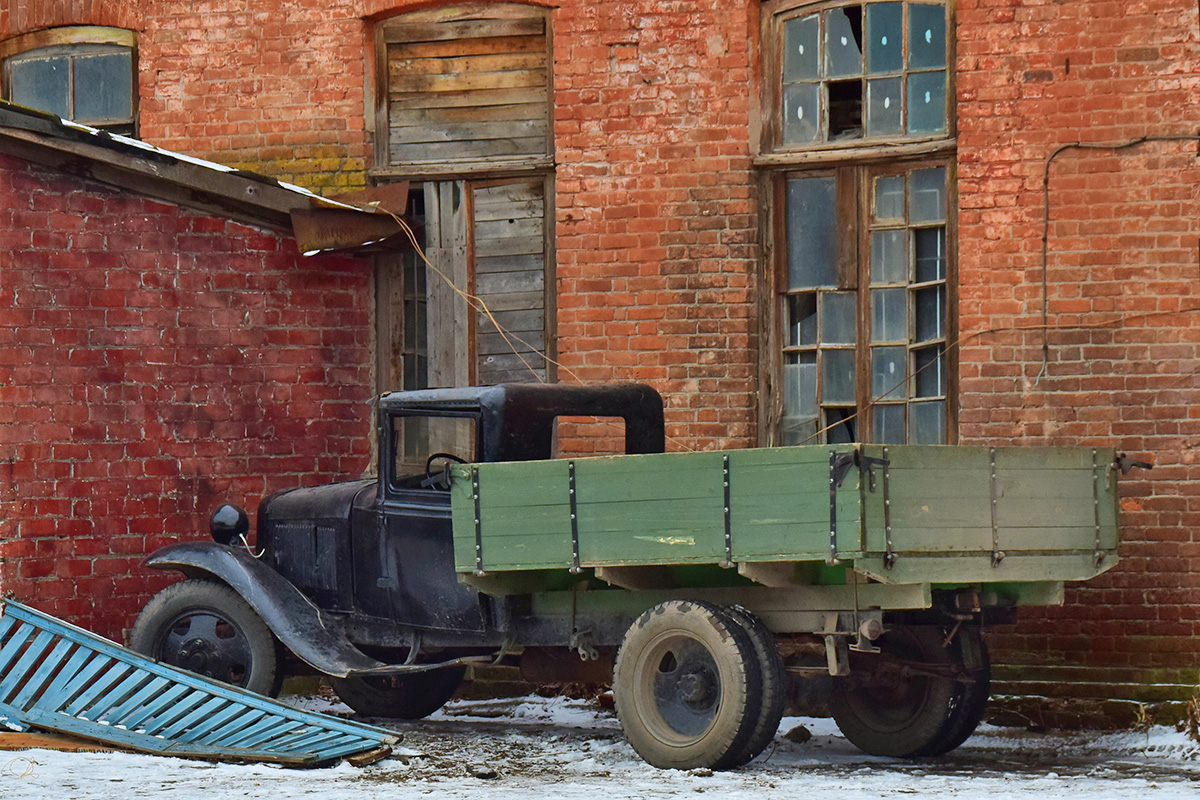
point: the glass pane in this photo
(811, 233)
(798, 430)
(838, 318)
(837, 376)
(927, 202)
(414, 439)
(800, 385)
(42, 83)
(800, 61)
(929, 364)
(885, 37)
(927, 422)
(889, 315)
(888, 373)
(103, 87)
(802, 320)
(889, 197)
(930, 244)
(927, 102)
(801, 113)
(889, 256)
(842, 425)
(843, 42)
(888, 424)
(930, 312)
(926, 36)
(883, 107)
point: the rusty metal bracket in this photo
(889, 557)
(997, 553)
(478, 522)
(575, 569)
(728, 562)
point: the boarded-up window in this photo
(466, 83)
(510, 277)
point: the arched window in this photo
(85, 74)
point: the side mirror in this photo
(228, 523)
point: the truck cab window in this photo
(425, 443)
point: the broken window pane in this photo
(927, 422)
(930, 245)
(811, 232)
(842, 425)
(929, 366)
(888, 373)
(838, 317)
(103, 87)
(889, 315)
(928, 195)
(801, 113)
(889, 256)
(926, 36)
(838, 382)
(930, 312)
(41, 83)
(889, 197)
(927, 102)
(885, 37)
(843, 42)
(800, 62)
(802, 319)
(845, 110)
(883, 107)
(888, 424)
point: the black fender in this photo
(315, 636)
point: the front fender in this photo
(316, 637)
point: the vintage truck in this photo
(696, 582)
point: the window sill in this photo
(856, 152)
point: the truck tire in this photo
(207, 628)
(967, 709)
(774, 684)
(411, 696)
(688, 686)
(886, 711)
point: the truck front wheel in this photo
(207, 628)
(410, 696)
(688, 687)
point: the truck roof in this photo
(517, 420)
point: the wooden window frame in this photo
(853, 200)
(67, 38)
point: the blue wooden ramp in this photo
(57, 677)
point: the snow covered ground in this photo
(545, 749)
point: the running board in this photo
(60, 678)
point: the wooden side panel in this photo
(510, 277)
(779, 505)
(468, 83)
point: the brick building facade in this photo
(879, 220)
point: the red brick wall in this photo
(155, 363)
(23, 16)
(656, 221)
(1124, 285)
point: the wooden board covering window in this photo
(467, 83)
(510, 277)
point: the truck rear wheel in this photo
(207, 628)
(688, 687)
(774, 684)
(896, 708)
(411, 696)
(967, 709)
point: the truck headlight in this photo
(228, 523)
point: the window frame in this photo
(775, 14)
(71, 40)
(853, 202)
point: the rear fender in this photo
(316, 637)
